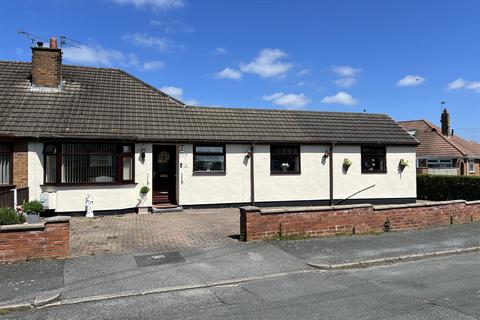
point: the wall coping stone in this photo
(472, 202)
(313, 208)
(21, 227)
(250, 208)
(57, 219)
(416, 205)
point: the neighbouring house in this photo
(67, 132)
(442, 152)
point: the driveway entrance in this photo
(165, 232)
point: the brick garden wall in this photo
(49, 239)
(258, 224)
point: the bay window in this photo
(5, 164)
(80, 163)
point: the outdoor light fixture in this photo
(142, 155)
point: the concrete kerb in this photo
(127, 294)
(391, 260)
(41, 299)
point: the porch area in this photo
(133, 233)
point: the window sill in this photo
(209, 173)
(88, 184)
(274, 173)
(374, 172)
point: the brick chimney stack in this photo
(47, 65)
(445, 120)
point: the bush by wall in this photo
(442, 188)
(10, 216)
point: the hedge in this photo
(439, 188)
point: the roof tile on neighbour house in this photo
(102, 103)
(434, 144)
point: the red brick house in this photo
(442, 152)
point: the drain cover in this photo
(159, 259)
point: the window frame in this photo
(119, 155)
(9, 152)
(471, 163)
(296, 172)
(216, 172)
(363, 171)
(436, 163)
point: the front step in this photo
(166, 209)
(160, 197)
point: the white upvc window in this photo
(439, 163)
(471, 166)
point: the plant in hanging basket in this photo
(403, 164)
(144, 190)
(347, 163)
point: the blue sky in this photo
(396, 57)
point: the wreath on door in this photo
(163, 157)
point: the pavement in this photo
(110, 277)
(442, 289)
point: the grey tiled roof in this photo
(105, 103)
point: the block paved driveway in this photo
(132, 233)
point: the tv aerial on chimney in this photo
(66, 41)
(36, 40)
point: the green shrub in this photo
(33, 207)
(10, 216)
(440, 188)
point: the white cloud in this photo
(268, 64)
(152, 65)
(170, 27)
(346, 82)
(304, 72)
(290, 100)
(191, 102)
(97, 55)
(474, 86)
(346, 71)
(154, 4)
(460, 83)
(229, 73)
(177, 93)
(411, 80)
(219, 51)
(341, 98)
(145, 40)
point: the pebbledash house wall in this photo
(233, 186)
(105, 197)
(311, 184)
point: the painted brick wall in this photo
(50, 239)
(258, 224)
(20, 165)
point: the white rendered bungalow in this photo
(68, 131)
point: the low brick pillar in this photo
(474, 208)
(48, 239)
